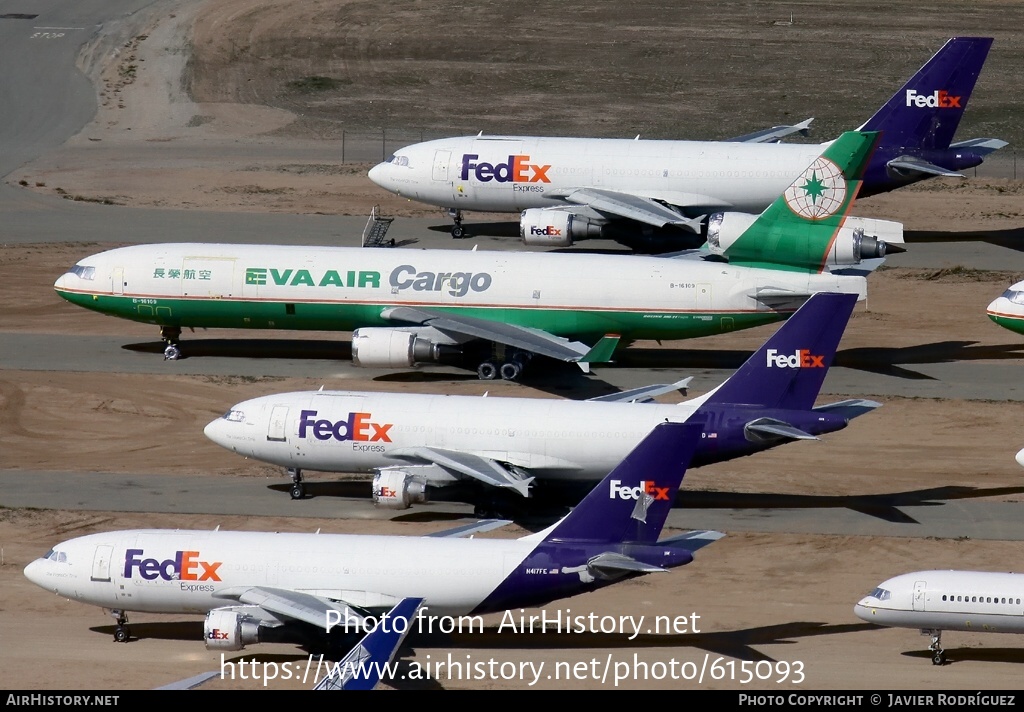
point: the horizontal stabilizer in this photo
(692, 541)
(644, 393)
(484, 525)
(610, 564)
(771, 428)
(980, 146)
(773, 134)
(849, 409)
(908, 165)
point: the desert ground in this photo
(213, 105)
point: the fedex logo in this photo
(217, 634)
(517, 170)
(941, 99)
(185, 566)
(544, 230)
(618, 491)
(798, 359)
(357, 427)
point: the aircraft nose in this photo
(215, 431)
(61, 283)
(1020, 458)
(379, 174)
(34, 572)
(862, 611)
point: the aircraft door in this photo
(441, 161)
(117, 281)
(276, 429)
(101, 563)
(920, 589)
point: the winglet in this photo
(602, 351)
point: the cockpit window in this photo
(58, 556)
(235, 416)
(83, 272)
(880, 594)
(1014, 295)
(399, 161)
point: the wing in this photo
(360, 669)
(317, 611)
(773, 134)
(533, 340)
(633, 207)
(644, 393)
(484, 525)
(466, 464)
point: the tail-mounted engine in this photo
(858, 239)
(228, 629)
(546, 227)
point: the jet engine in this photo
(398, 489)
(858, 239)
(227, 629)
(381, 347)
(544, 227)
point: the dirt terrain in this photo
(242, 104)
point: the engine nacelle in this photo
(546, 227)
(397, 489)
(226, 629)
(381, 347)
(858, 239)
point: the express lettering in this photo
(185, 566)
(458, 283)
(518, 169)
(357, 427)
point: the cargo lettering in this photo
(457, 284)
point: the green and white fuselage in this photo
(1007, 309)
(577, 296)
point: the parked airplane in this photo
(654, 195)
(1007, 309)
(262, 586)
(499, 309)
(416, 442)
(934, 601)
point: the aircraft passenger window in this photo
(943, 597)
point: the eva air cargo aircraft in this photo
(498, 309)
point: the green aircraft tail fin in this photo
(798, 230)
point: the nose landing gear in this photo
(172, 347)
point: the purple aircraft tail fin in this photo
(925, 113)
(790, 367)
(631, 504)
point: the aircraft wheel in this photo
(510, 371)
(487, 371)
(939, 658)
(458, 232)
(298, 491)
(172, 352)
(121, 635)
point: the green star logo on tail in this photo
(820, 193)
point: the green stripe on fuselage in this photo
(1009, 322)
(585, 325)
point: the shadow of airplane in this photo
(1012, 238)
(980, 655)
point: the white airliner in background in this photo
(654, 195)
(934, 601)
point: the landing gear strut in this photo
(298, 490)
(121, 632)
(170, 336)
(507, 364)
(458, 232)
(938, 654)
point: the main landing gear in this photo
(298, 490)
(171, 336)
(458, 232)
(938, 654)
(509, 368)
(121, 632)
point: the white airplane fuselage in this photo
(514, 173)
(167, 571)
(977, 601)
(337, 431)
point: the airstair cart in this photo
(376, 230)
